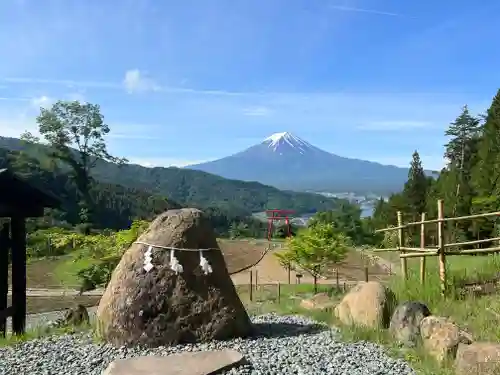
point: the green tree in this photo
(346, 219)
(462, 146)
(461, 155)
(75, 133)
(415, 189)
(487, 170)
(316, 250)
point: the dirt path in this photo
(58, 292)
(352, 269)
(390, 267)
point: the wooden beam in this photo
(23, 210)
(489, 250)
(475, 242)
(18, 229)
(418, 255)
(4, 275)
(444, 219)
(5, 313)
(405, 248)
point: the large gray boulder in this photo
(162, 307)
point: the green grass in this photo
(265, 301)
(66, 271)
(39, 332)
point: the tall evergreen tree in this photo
(462, 146)
(415, 190)
(487, 170)
(461, 155)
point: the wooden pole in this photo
(251, 286)
(289, 274)
(18, 229)
(401, 242)
(337, 278)
(256, 280)
(366, 274)
(441, 253)
(422, 246)
(279, 292)
(4, 274)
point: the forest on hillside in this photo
(184, 186)
(468, 184)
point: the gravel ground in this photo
(284, 345)
(34, 321)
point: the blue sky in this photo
(193, 80)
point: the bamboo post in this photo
(422, 246)
(279, 292)
(441, 249)
(366, 274)
(251, 285)
(401, 242)
(256, 280)
(337, 278)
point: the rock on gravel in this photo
(283, 345)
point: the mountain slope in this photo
(288, 162)
(115, 206)
(196, 188)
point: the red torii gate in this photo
(273, 215)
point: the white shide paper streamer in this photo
(174, 262)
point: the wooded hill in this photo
(469, 183)
(115, 205)
(124, 193)
(189, 187)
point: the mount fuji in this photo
(288, 162)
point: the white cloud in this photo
(364, 10)
(69, 83)
(14, 127)
(257, 111)
(135, 81)
(393, 125)
(42, 101)
(14, 99)
(163, 162)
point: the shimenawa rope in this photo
(174, 262)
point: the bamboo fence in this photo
(440, 250)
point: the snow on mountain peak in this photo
(285, 138)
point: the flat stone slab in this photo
(209, 362)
